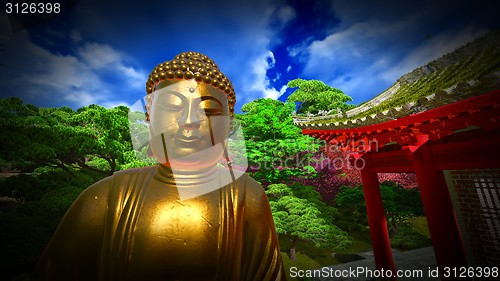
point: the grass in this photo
(419, 225)
(412, 236)
(303, 262)
(310, 257)
(362, 242)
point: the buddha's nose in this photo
(190, 120)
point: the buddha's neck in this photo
(185, 178)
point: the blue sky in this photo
(102, 53)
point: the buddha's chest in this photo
(176, 239)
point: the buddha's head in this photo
(189, 106)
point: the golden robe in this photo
(133, 226)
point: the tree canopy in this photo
(93, 137)
(299, 214)
(268, 119)
(276, 148)
(315, 95)
(400, 204)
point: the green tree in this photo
(299, 214)
(109, 144)
(33, 136)
(269, 119)
(276, 148)
(314, 95)
(400, 204)
(93, 137)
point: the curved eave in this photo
(481, 111)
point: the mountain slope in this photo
(471, 69)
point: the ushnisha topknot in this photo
(191, 65)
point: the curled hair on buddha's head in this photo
(190, 65)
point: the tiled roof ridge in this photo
(423, 104)
(475, 112)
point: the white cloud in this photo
(372, 47)
(251, 57)
(135, 78)
(282, 90)
(111, 104)
(102, 56)
(365, 70)
(351, 46)
(288, 68)
(238, 35)
(98, 55)
(349, 58)
(58, 71)
(259, 82)
(82, 98)
(75, 80)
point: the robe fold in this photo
(128, 232)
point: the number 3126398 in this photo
(32, 8)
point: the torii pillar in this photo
(438, 207)
(376, 217)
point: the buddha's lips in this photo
(188, 141)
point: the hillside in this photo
(471, 69)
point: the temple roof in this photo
(480, 112)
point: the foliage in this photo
(400, 204)
(276, 149)
(334, 170)
(351, 198)
(406, 180)
(44, 196)
(280, 161)
(419, 224)
(110, 133)
(40, 136)
(54, 203)
(268, 119)
(350, 175)
(34, 186)
(407, 239)
(314, 95)
(92, 138)
(299, 214)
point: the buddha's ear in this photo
(232, 126)
(149, 152)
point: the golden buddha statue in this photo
(186, 218)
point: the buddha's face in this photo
(189, 124)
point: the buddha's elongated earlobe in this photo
(149, 152)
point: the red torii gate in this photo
(458, 136)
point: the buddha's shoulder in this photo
(250, 188)
(135, 172)
(102, 188)
(252, 196)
